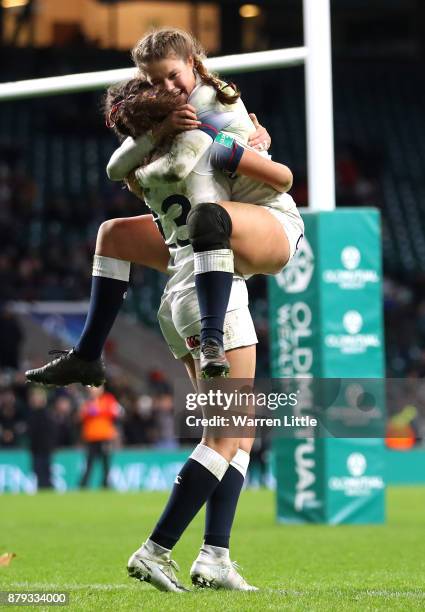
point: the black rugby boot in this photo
(67, 369)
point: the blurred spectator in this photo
(259, 461)
(98, 416)
(354, 186)
(164, 410)
(402, 429)
(12, 424)
(158, 382)
(146, 418)
(41, 434)
(11, 339)
(139, 421)
(63, 412)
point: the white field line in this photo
(46, 586)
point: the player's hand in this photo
(180, 120)
(260, 139)
(133, 185)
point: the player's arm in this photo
(245, 127)
(260, 139)
(132, 153)
(133, 185)
(186, 149)
(265, 170)
(185, 152)
(128, 156)
(230, 156)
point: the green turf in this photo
(80, 542)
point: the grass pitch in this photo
(80, 542)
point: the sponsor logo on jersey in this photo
(192, 342)
(351, 276)
(353, 341)
(296, 276)
(225, 140)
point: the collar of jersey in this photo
(198, 84)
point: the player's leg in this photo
(221, 505)
(263, 239)
(135, 240)
(194, 484)
(119, 242)
(209, 227)
(213, 567)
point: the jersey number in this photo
(180, 221)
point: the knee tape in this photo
(210, 227)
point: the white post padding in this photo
(319, 107)
(87, 81)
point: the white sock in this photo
(210, 459)
(110, 267)
(220, 260)
(241, 461)
(155, 549)
(215, 551)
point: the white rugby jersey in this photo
(245, 189)
(204, 99)
(170, 198)
(240, 127)
(184, 177)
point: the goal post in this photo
(91, 81)
(319, 105)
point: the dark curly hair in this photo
(133, 107)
